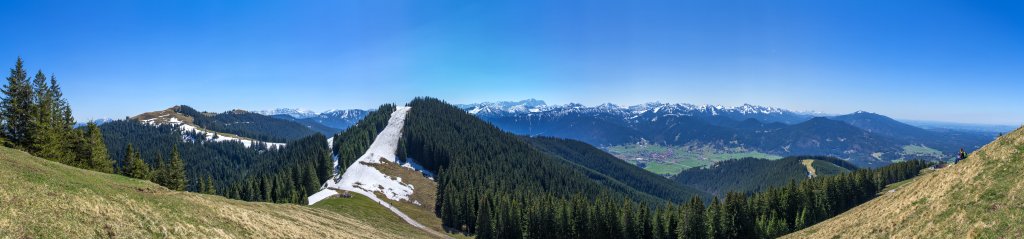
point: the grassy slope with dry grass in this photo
(982, 197)
(44, 199)
(425, 194)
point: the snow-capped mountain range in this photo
(860, 136)
(540, 108)
(336, 119)
(295, 113)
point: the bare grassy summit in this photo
(982, 197)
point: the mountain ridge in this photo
(865, 138)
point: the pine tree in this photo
(176, 171)
(134, 166)
(44, 134)
(208, 186)
(692, 223)
(15, 108)
(92, 152)
(312, 184)
(63, 121)
(159, 173)
(713, 220)
(483, 220)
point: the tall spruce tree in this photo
(176, 171)
(713, 220)
(63, 122)
(207, 185)
(134, 166)
(692, 223)
(159, 173)
(92, 152)
(16, 108)
(44, 135)
(483, 220)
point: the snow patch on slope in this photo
(209, 135)
(361, 177)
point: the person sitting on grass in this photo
(960, 156)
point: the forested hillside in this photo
(600, 161)
(753, 175)
(479, 164)
(228, 168)
(311, 124)
(947, 141)
(245, 124)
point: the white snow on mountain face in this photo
(297, 113)
(530, 105)
(94, 121)
(345, 114)
(537, 106)
(361, 177)
(305, 114)
(210, 135)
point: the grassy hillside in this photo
(982, 197)
(44, 199)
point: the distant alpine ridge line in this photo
(864, 138)
(763, 113)
(328, 121)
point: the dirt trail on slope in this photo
(810, 169)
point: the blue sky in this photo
(957, 61)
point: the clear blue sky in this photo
(958, 61)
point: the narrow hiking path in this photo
(363, 178)
(398, 213)
(810, 169)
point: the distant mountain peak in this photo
(237, 111)
(522, 106)
(297, 113)
(609, 106)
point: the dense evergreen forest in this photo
(476, 160)
(753, 174)
(35, 118)
(228, 168)
(247, 124)
(604, 163)
(769, 214)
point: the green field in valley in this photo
(670, 160)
